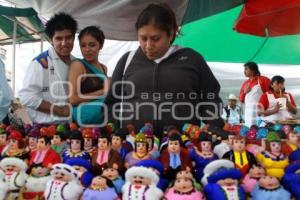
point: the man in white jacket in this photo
(44, 91)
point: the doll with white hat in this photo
(35, 184)
(3, 186)
(64, 183)
(15, 175)
(140, 183)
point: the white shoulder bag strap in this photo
(128, 61)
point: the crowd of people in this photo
(154, 130)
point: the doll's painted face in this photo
(205, 146)
(32, 142)
(102, 144)
(59, 176)
(141, 147)
(257, 171)
(139, 180)
(41, 144)
(269, 182)
(40, 171)
(183, 185)
(13, 144)
(75, 145)
(116, 142)
(293, 138)
(110, 173)
(56, 140)
(238, 145)
(275, 147)
(99, 182)
(9, 169)
(81, 170)
(228, 182)
(184, 174)
(88, 143)
(3, 138)
(174, 146)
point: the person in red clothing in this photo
(44, 154)
(276, 104)
(251, 91)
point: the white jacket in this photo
(49, 84)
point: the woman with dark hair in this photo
(251, 90)
(168, 82)
(276, 104)
(91, 74)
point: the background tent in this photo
(207, 26)
(19, 25)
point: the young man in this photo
(44, 88)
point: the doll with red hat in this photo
(15, 147)
(44, 154)
(175, 157)
(202, 154)
(140, 151)
(242, 158)
(76, 147)
(105, 156)
(272, 159)
(89, 139)
(15, 175)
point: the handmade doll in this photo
(202, 154)
(105, 156)
(76, 148)
(32, 139)
(3, 138)
(44, 154)
(64, 183)
(272, 159)
(84, 170)
(251, 179)
(59, 141)
(222, 181)
(183, 189)
(114, 175)
(15, 147)
(140, 183)
(242, 159)
(188, 174)
(158, 168)
(118, 140)
(101, 188)
(140, 151)
(153, 142)
(269, 188)
(291, 178)
(223, 145)
(3, 186)
(175, 158)
(35, 184)
(90, 140)
(15, 175)
(291, 143)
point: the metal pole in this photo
(14, 57)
